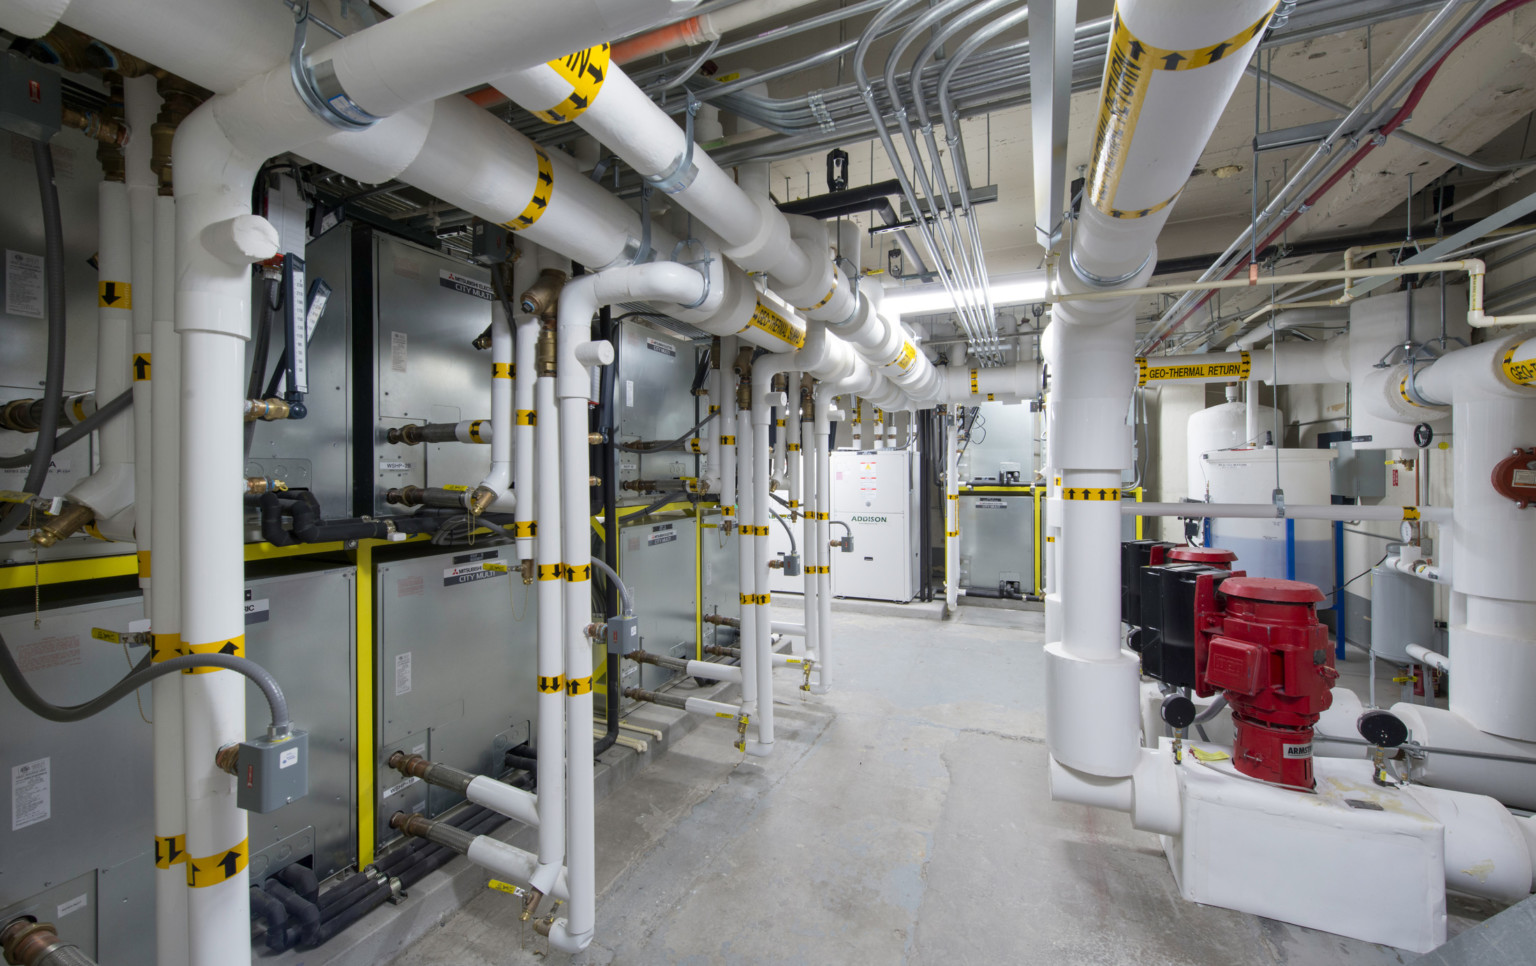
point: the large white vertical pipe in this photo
(551, 623)
(1156, 119)
(165, 604)
(818, 548)
(727, 438)
(140, 105)
(762, 517)
(746, 561)
(217, 240)
(951, 512)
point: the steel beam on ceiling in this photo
(1051, 27)
(1504, 216)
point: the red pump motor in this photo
(1258, 640)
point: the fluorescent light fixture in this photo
(930, 298)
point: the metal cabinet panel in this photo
(872, 493)
(657, 562)
(456, 665)
(654, 402)
(997, 534)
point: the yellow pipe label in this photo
(1237, 371)
(524, 528)
(456, 488)
(216, 868)
(727, 441)
(170, 850)
(501, 370)
(792, 447)
(549, 571)
(527, 417)
(1084, 493)
(551, 685)
(1520, 373)
(767, 320)
(114, 295)
(543, 187)
(163, 647)
(974, 389)
(952, 533)
(906, 358)
(825, 298)
(1127, 77)
(141, 371)
(578, 573)
(474, 430)
(694, 446)
(575, 686)
(145, 564)
(234, 647)
(1410, 513)
(585, 70)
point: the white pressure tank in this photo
(1249, 476)
(1220, 428)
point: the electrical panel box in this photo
(873, 494)
(654, 403)
(65, 856)
(1361, 475)
(435, 617)
(392, 347)
(30, 97)
(997, 542)
(1004, 448)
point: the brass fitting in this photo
(409, 435)
(594, 439)
(526, 569)
(531, 903)
(714, 353)
(27, 942)
(721, 621)
(594, 481)
(780, 382)
(19, 415)
(109, 153)
(227, 757)
(266, 409)
(639, 486)
(93, 125)
(73, 518)
(743, 370)
(411, 766)
(483, 340)
(257, 485)
(545, 351)
(481, 500)
(776, 564)
(543, 297)
(179, 97)
(410, 824)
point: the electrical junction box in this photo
(623, 634)
(30, 103)
(873, 493)
(271, 772)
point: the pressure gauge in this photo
(1410, 531)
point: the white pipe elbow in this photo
(32, 18)
(1150, 794)
(1424, 655)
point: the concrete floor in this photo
(903, 819)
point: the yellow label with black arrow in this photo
(219, 867)
(543, 187)
(1091, 493)
(585, 70)
(114, 295)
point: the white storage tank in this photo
(1248, 476)
(1222, 427)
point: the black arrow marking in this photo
(1101, 494)
(596, 72)
(229, 648)
(540, 202)
(1136, 50)
(1217, 52)
(109, 293)
(1171, 62)
(140, 368)
(577, 100)
(546, 177)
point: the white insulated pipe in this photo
(713, 671)
(503, 799)
(499, 479)
(1155, 123)
(726, 441)
(109, 490)
(1268, 511)
(524, 378)
(510, 862)
(1286, 364)
(763, 400)
(551, 625)
(217, 240)
(140, 105)
(746, 561)
(169, 766)
(809, 555)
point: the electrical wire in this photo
(1335, 591)
(143, 673)
(645, 447)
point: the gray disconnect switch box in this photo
(271, 772)
(30, 102)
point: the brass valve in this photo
(266, 409)
(72, 518)
(545, 351)
(481, 500)
(543, 297)
(525, 568)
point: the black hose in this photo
(53, 386)
(143, 673)
(302, 880)
(660, 502)
(305, 914)
(265, 907)
(368, 901)
(653, 447)
(607, 328)
(77, 432)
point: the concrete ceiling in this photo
(1480, 104)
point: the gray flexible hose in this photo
(1213, 710)
(785, 524)
(629, 602)
(77, 432)
(53, 377)
(142, 674)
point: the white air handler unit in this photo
(872, 493)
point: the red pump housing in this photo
(1259, 641)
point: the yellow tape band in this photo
(578, 573)
(585, 70)
(1520, 373)
(551, 685)
(145, 564)
(575, 686)
(216, 868)
(170, 850)
(906, 358)
(792, 447)
(747, 600)
(549, 571)
(501, 370)
(1127, 76)
(141, 373)
(974, 389)
(1410, 513)
(953, 533)
(163, 647)
(527, 417)
(474, 431)
(1085, 493)
(456, 488)
(543, 187)
(727, 441)
(767, 320)
(234, 647)
(525, 528)
(825, 298)
(114, 295)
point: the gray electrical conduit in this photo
(77, 432)
(53, 377)
(142, 674)
(611, 574)
(786, 527)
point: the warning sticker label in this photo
(31, 794)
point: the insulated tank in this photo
(1249, 476)
(1221, 427)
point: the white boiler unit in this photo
(873, 494)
